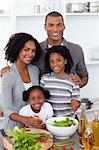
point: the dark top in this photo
(76, 53)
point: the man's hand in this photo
(79, 81)
(76, 79)
(75, 105)
(4, 70)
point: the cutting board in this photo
(7, 141)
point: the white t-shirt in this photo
(27, 85)
(45, 113)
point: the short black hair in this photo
(54, 14)
(45, 92)
(16, 43)
(64, 52)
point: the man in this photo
(54, 26)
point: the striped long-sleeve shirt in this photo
(62, 91)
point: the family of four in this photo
(44, 79)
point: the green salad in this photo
(27, 141)
(64, 123)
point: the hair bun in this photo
(25, 96)
(47, 94)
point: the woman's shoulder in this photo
(9, 75)
(33, 66)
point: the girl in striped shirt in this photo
(65, 95)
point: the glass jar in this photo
(95, 129)
(88, 136)
(82, 124)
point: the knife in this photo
(3, 133)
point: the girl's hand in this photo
(42, 125)
(75, 104)
(35, 121)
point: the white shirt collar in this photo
(49, 46)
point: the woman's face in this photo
(27, 53)
(57, 63)
(36, 100)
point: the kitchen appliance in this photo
(76, 7)
(87, 102)
(94, 6)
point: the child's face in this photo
(57, 63)
(36, 100)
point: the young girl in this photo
(65, 95)
(36, 108)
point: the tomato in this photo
(45, 141)
(71, 148)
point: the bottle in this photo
(88, 136)
(95, 129)
(82, 124)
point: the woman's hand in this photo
(75, 104)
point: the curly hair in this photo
(16, 43)
(64, 52)
(27, 93)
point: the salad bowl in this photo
(62, 127)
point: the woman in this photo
(21, 50)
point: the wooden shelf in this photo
(31, 15)
(82, 14)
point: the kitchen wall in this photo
(91, 90)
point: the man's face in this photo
(54, 27)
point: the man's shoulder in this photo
(71, 45)
(43, 44)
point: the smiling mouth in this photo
(56, 68)
(28, 59)
(55, 35)
(37, 106)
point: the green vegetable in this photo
(63, 123)
(27, 141)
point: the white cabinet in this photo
(28, 16)
(82, 24)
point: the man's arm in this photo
(4, 70)
(84, 81)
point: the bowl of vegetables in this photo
(62, 127)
